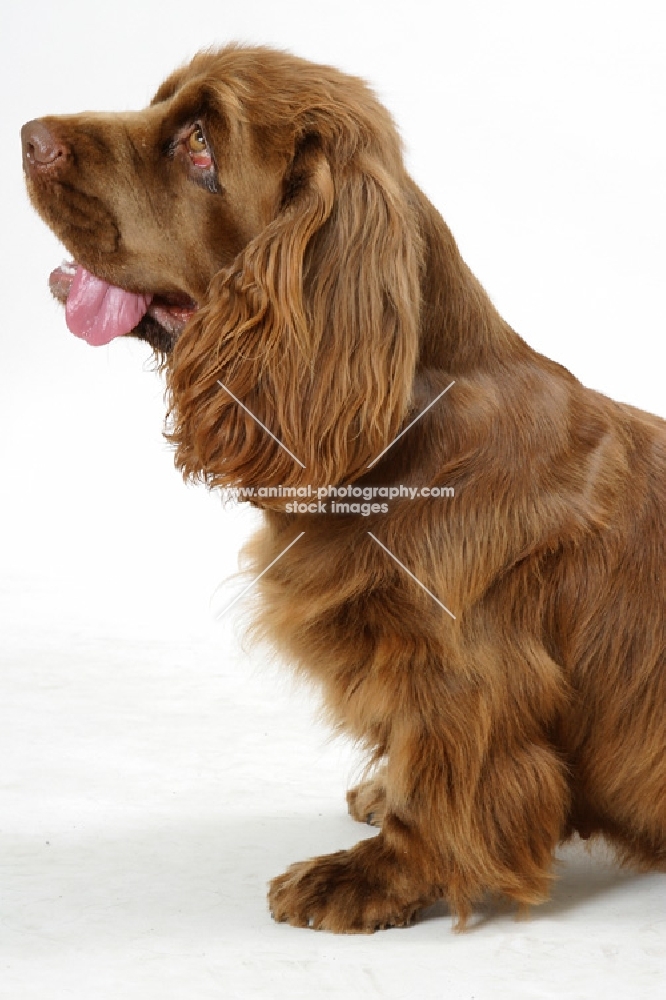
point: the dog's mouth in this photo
(98, 312)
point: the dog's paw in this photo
(367, 802)
(341, 892)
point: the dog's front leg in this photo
(476, 801)
(381, 882)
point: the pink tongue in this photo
(98, 312)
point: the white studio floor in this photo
(151, 787)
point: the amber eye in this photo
(196, 141)
(193, 145)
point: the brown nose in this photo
(41, 149)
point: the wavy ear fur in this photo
(314, 329)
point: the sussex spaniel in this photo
(256, 225)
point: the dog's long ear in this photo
(310, 339)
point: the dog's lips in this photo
(98, 312)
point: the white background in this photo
(153, 774)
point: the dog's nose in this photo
(41, 149)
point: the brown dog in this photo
(257, 227)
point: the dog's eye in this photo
(197, 141)
(197, 147)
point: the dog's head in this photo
(255, 225)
